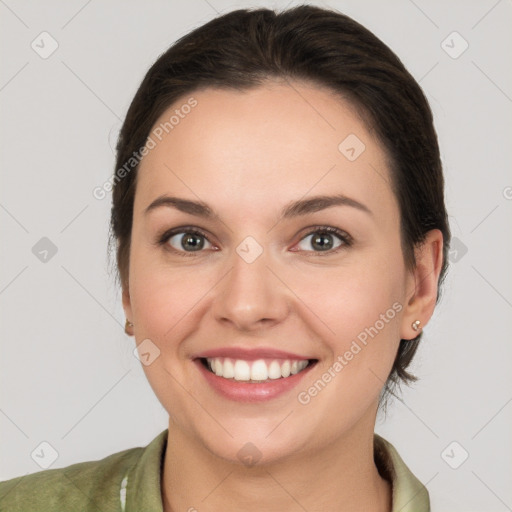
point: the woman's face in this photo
(265, 281)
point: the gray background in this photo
(68, 375)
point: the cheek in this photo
(165, 300)
(166, 306)
(361, 304)
(361, 307)
(363, 319)
(352, 296)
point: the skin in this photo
(248, 155)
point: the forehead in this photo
(262, 147)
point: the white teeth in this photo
(228, 370)
(242, 370)
(258, 370)
(217, 367)
(274, 370)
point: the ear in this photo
(127, 306)
(422, 284)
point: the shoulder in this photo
(409, 494)
(92, 485)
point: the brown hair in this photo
(244, 48)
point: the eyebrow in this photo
(293, 209)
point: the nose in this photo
(251, 296)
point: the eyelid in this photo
(341, 234)
(163, 239)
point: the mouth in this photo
(255, 371)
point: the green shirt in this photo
(129, 481)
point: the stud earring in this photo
(127, 327)
(416, 325)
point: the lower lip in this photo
(243, 391)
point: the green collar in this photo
(140, 487)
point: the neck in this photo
(338, 476)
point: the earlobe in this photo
(423, 285)
(128, 327)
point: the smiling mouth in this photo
(257, 371)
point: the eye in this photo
(186, 240)
(323, 240)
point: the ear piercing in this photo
(416, 325)
(127, 327)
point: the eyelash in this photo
(342, 235)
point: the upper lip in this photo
(250, 354)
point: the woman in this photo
(281, 235)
